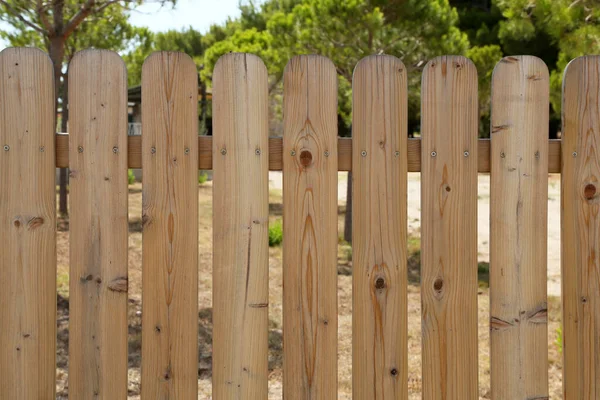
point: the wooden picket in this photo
(240, 228)
(27, 226)
(98, 226)
(449, 119)
(580, 222)
(170, 230)
(310, 229)
(449, 155)
(518, 221)
(379, 290)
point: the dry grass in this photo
(275, 310)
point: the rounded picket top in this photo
(19, 55)
(294, 61)
(87, 55)
(504, 66)
(457, 62)
(230, 59)
(157, 56)
(365, 62)
(574, 67)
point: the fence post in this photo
(98, 226)
(518, 229)
(580, 222)
(310, 229)
(240, 228)
(27, 226)
(379, 288)
(449, 120)
(170, 227)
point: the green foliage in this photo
(559, 339)
(130, 177)
(202, 178)
(485, 58)
(275, 233)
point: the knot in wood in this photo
(589, 191)
(380, 283)
(438, 284)
(306, 158)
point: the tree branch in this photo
(78, 18)
(43, 17)
(20, 17)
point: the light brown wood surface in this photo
(240, 228)
(581, 229)
(518, 229)
(449, 119)
(205, 160)
(98, 226)
(170, 227)
(27, 226)
(310, 229)
(379, 283)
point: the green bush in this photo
(559, 339)
(275, 233)
(130, 177)
(202, 178)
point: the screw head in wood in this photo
(153, 150)
(223, 151)
(363, 153)
(574, 154)
(6, 147)
(397, 154)
(537, 155)
(293, 153)
(326, 153)
(80, 149)
(42, 149)
(115, 149)
(257, 152)
(433, 154)
(502, 155)
(186, 151)
(466, 154)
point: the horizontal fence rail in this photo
(449, 156)
(344, 149)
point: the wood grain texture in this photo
(581, 229)
(310, 229)
(276, 153)
(27, 226)
(170, 227)
(518, 229)
(449, 120)
(98, 226)
(240, 228)
(379, 281)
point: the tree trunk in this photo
(57, 55)
(348, 216)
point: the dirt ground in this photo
(275, 294)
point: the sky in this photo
(199, 14)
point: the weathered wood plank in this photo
(379, 289)
(518, 229)
(276, 150)
(27, 226)
(240, 228)
(98, 226)
(581, 229)
(310, 229)
(449, 119)
(170, 230)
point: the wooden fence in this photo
(449, 156)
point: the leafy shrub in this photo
(202, 178)
(275, 233)
(130, 177)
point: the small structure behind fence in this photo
(449, 156)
